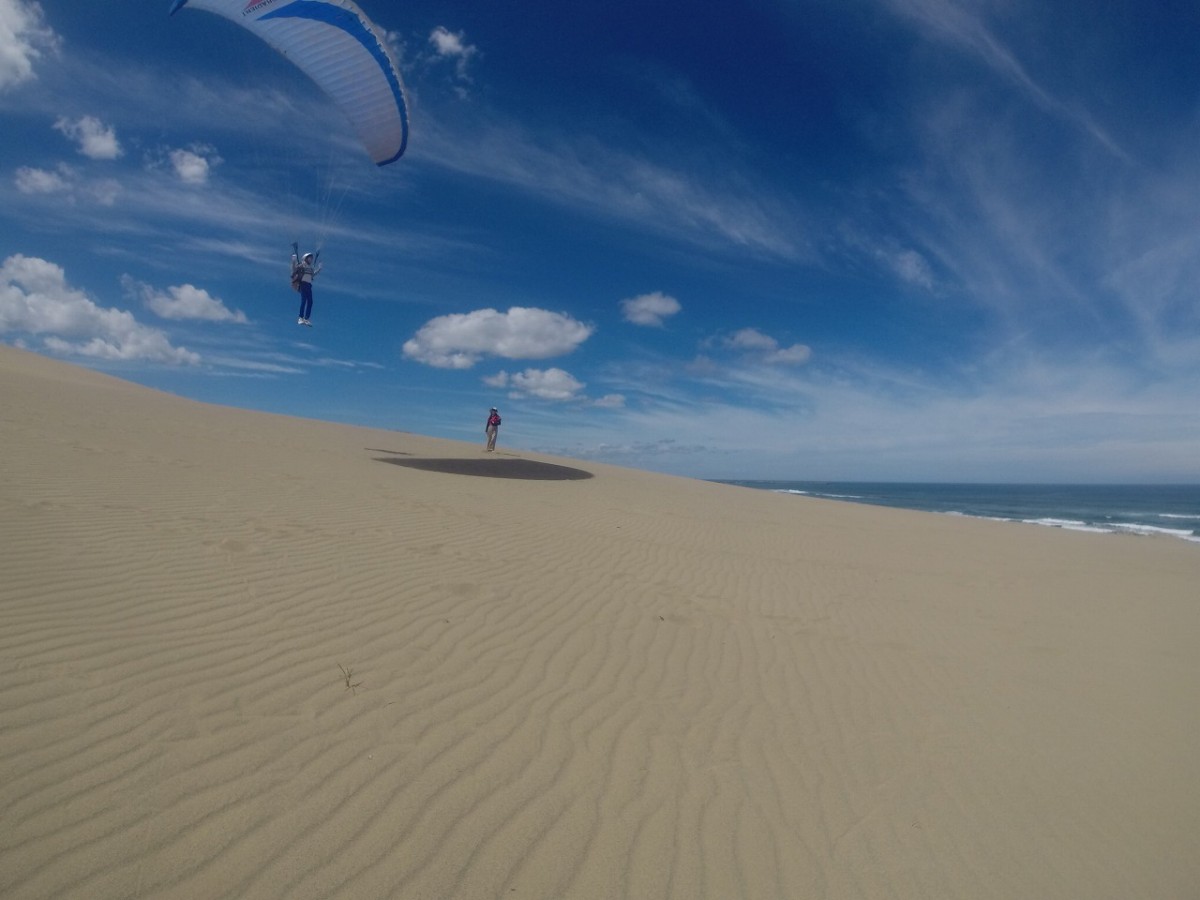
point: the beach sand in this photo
(247, 655)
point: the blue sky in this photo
(846, 240)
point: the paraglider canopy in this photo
(336, 45)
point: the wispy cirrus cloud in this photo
(861, 420)
(721, 208)
(956, 24)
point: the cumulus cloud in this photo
(460, 340)
(451, 46)
(24, 38)
(183, 301)
(446, 42)
(36, 299)
(66, 181)
(908, 265)
(193, 165)
(795, 355)
(43, 181)
(545, 384)
(649, 309)
(766, 349)
(395, 43)
(611, 401)
(912, 267)
(95, 139)
(751, 340)
(104, 191)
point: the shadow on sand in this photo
(492, 467)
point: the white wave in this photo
(1115, 528)
(1138, 528)
(817, 494)
(1068, 524)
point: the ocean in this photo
(1163, 510)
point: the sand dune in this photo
(245, 655)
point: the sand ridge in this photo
(625, 685)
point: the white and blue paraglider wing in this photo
(336, 45)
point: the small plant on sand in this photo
(348, 674)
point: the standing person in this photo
(493, 426)
(304, 270)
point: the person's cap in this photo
(494, 409)
(308, 256)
